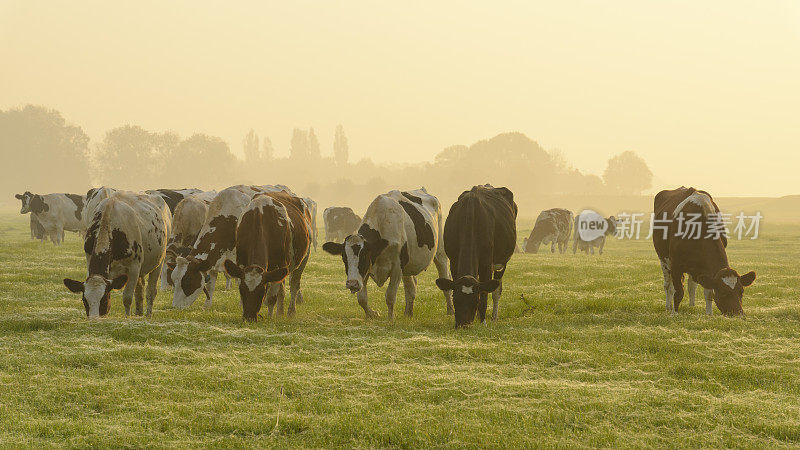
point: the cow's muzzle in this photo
(353, 285)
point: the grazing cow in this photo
(553, 226)
(339, 222)
(480, 236)
(398, 239)
(312, 209)
(173, 196)
(125, 243)
(197, 271)
(588, 246)
(694, 243)
(189, 217)
(52, 214)
(273, 240)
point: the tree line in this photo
(44, 153)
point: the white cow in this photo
(54, 213)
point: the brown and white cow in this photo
(339, 222)
(696, 250)
(480, 236)
(190, 215)
(553, 226)
(52, 214)
(273, 240)
(215, 243)
(126, 242)
(398, 238)
(578, 243)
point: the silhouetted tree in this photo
(41, 152)
(267, 150)
(201, 161)
(627, 173)
(341, 149)
(250, 145)
(298, 146)
(313, 145)
(131, 157)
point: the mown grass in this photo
(583, 355)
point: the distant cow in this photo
(312, 209)
(480, 236)
(339, 222)
(198, 270)
(553, 226)
(173, 196)
(273, 240)
(125, 243)
(397, 240)
(189, 217)
(52, 214)
(697, 250)
(588, 246)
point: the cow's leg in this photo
(130, 288)
(211, 283)
(553, 247)
(496, 300)
(709, 295)
(410, 288)
(227, 281)
(272, 298)
(602, 244)
(152, 291)
(163, 275)
(668, 290)
(139, 293)
(591, 249)
(391, 291)
(443, 267)
(300, 270)
(295, 294)
(483, 297)
(280, 297)
(691, 286)
(363, 301)
(677, 283)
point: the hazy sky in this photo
(708, 92)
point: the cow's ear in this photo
(488, 286)
(333, 248)
(18, 196)
(705, 281)
(748, 278)
(119, 282)
(444, 284)
(203, 265)
(73, 285)
(233, 269)
(275, 275)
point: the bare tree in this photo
(341, 149)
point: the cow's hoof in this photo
(372, 314)
(290, 313)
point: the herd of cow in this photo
(263, 235)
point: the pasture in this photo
(583, 355)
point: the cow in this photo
(339, 222)
(397, 240)
(697, 250)
(197, 271)
(52, 214)
(312, 209)
(588, 246)
(173, 196)
(93, 198)
(125, 243)
(480, 236)
(553, 226)
(189, 217)
(273, 241)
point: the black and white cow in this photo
(694, 243)
(339, 222)
(397, 240)
(480, 236)
(173, 196)
(588, 246)
(187, 221)
(52, 214)
(126, 242)
(93, 198)
(197, 271)
(554, 227)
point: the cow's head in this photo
(466, 291)
(96, 292)
(358, 255)
(254, 282)
(545, 231)
(611, 230)
(188, 278)
(26, 202)
(728, 288)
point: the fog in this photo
(538, 97)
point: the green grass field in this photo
(583, 355)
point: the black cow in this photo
(480, 235)
(340, 222)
